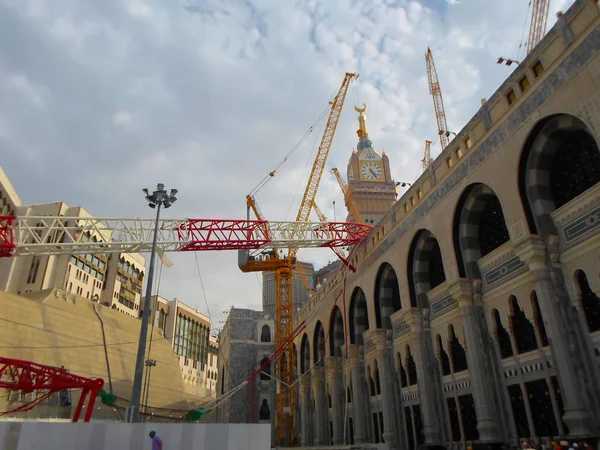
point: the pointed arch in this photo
(387, 295)
(425, 267)
(336, 332)
(265, 334)
(560, 160)
(359, 316)
(318, 344)
(304, 354)
(479, 227)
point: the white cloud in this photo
(122, 118)
(210, 96)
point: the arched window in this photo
(560, 161)
(589, 301)
(521, 327)
(457, 351)
(336, 332)
(387, 296)
(425, 268)
(265, 334)
(264, 412)
(264, 375)
(444, 360)
(359, 317)
(502, 336)
(479, 227)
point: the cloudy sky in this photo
(99, 99)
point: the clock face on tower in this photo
(371, 171)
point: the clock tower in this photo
(369, 176)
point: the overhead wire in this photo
(270, 175)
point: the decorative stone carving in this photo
(553, 247)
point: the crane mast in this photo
(539, 19)
(283, 267)
(438, 102)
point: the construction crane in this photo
(539, 19)
(438, 102)
(537, 28)
(426, 161)
(348, 198)
(62, 235)
(283, 266)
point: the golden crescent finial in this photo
(360, 110)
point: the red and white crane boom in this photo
(54, 235)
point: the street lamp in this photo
(149, 363)
(507, 61)
(158, 198)
(446, 132)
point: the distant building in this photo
(115, 280)
(246, 341)
(325, 272)
(299, 291)
(188, 332)
(212, 367)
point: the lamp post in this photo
(158, 198)
(150, 363)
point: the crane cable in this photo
(271, 174)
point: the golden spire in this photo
(362, 122)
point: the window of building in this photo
(524, 83)
(468, 143)
(537, 68)
(449, 162)
(265, 335)
(458, 152)
(406, 207)
(511, 96)
(73, 260)
(102, 265)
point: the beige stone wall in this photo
(59, 329)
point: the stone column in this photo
(304, 410)
(568, 368)
(481, 381)
(359, 387)
(335, 381)
(428, 380)
(320, 422)
(387, 390)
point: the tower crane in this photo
(539, 19)
(537, 28)
(426, 161)
(283, 267)
(438, 102)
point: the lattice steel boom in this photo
(438, 102)
(57, 235)
(539, 19)
(27, 376)
(316, 173)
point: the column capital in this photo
(333, 364)
(353, 351)
(317, 373)
(532, 251)
(305, 382)
(462, 291)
